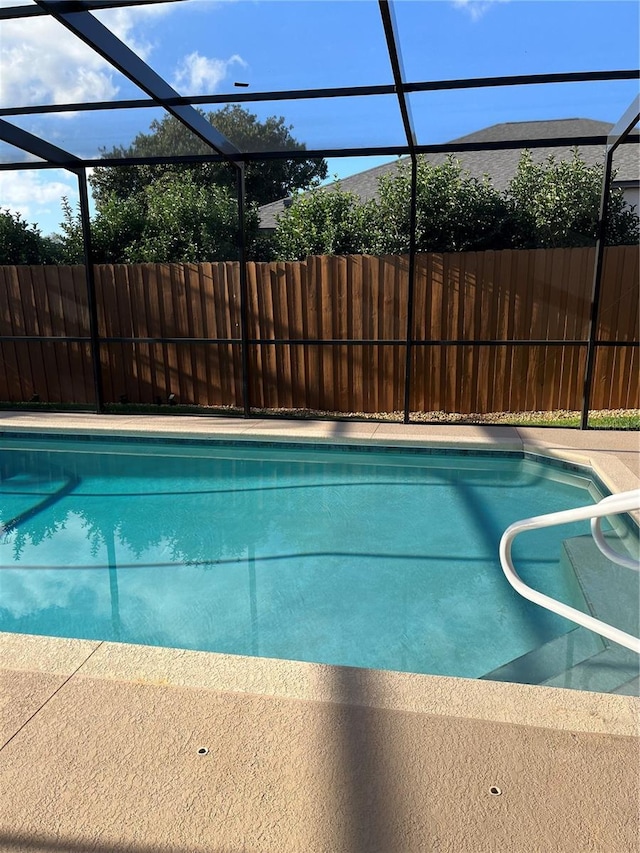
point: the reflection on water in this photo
(323, 558)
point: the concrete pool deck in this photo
(99, 741)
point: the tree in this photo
(265, 181)
(546, 205)
(323, 222)
(178, 212)
(21, 243)
(557, 203)
(172, 219)
(455, 211)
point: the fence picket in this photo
(510, 295)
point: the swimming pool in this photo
(360, 556)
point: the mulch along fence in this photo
(510, 295)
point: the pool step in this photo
(551, 659)
(631, 688)
(581, 659)
(611, 591)
(613, 670)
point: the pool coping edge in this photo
(434, 695)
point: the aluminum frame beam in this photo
(625, 124)
(244, 296)
(14, 12)
(618, 134)
(304, 154)
(411, 285)
(98, 37)
(396, 68)
(331, 92)
(94, 328)
(390, 29)
(325, 342)
(26, 141)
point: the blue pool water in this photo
(384, 559)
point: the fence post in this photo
(91, 289)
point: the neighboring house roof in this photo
(500, 166)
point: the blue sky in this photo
(204, 46)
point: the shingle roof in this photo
(499, 165)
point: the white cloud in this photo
(476, 8)
(37, 195)
(41, 62)
(200, 75)
(122, 22)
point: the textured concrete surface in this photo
(22, 694)
(115, 766)
(521, 704)
(100, 741)
(53, 655)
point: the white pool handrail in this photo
(622, 502)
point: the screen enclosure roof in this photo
(88, 80)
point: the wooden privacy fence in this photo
(534, 295)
